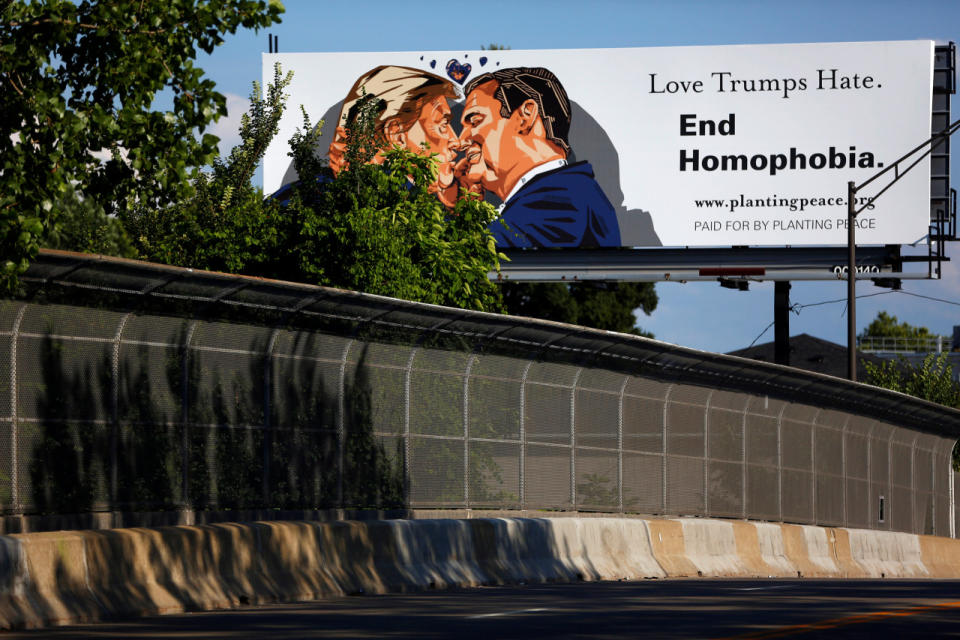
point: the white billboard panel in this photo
(673, 146)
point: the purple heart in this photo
(458, 72)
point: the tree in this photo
(81, 77)
(372, 228)
(932, 380)
(888, 326)
(225, 224)
(76, 223)
(380, 229)
(600, 305)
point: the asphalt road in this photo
(703, 608)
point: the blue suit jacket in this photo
(560, 208)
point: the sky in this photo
(701, 315)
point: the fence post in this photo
(870, 521)
(185, 413)
(779, 458)
(573, 439)
(268, 414)
(523, 435)
(933, 489)
(406, 427)
(843, 468)
(953, 505)
(813, 466)
(623, 390)
(890, 502)
(466, 431)
(743, 461)
(706, 454)
(14, 448)
(115, 407)
(913, 482)
(341, 420)
(663, 449)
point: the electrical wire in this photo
(918, 295)
(797, 307)
(800, 307)
(761, 334)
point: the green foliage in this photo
(80, 224)
(225, 225)
(378, 229)
(363, 137)
(887, 326)
(607, 306)
(932, 380)
(81, 77)
(373, 228)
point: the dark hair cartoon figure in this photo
(516, 125)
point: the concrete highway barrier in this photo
(69, 577)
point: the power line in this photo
(800, 307)
(797, 307)
(918, 295)
(761, 334)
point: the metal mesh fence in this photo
(956, 511)
(220, 398)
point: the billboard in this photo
(643, 147)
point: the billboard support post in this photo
(781, 322)
(851, 282)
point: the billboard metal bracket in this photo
(930, 144)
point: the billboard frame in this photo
(741, 264)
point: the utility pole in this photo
(852, 211)
(851, 281)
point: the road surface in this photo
(701, 608)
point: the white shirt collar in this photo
(530, 175)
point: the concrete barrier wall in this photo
(77, 576)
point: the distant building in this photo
(812, 354)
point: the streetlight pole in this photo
(852, 188)
(851, 281)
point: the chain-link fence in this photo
(130, 387)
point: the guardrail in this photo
(890, 344)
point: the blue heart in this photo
(458, 72)
(483, 61)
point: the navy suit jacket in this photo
(560, 208)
